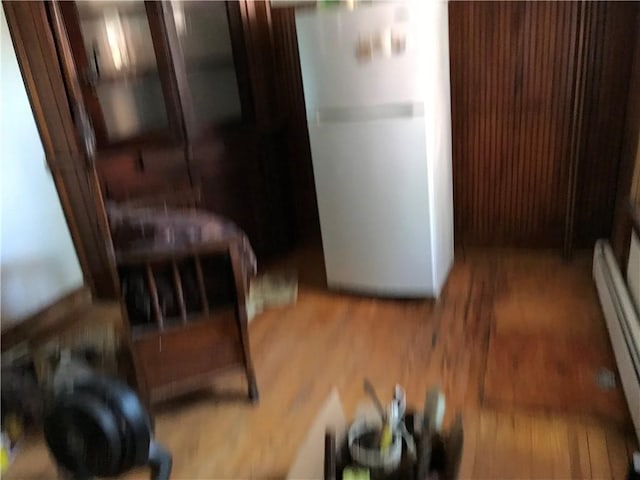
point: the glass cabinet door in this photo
(206, 41)
(120, 73)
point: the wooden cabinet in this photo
(158, 73)
(180, 93)
(125, 90)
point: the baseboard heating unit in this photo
(623, 324)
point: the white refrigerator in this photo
(377, 97)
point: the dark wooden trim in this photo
(103, 227)
(174, 389)
(136, 257)
(79, 191)
(290, 98)
(579, 88)
(242, 288)
(629, 163)
(66, 27)
(152, 138)
(55, 317)
(73, 176)
(172, 75)
(634, 215)
(258, 41)
(44, 87)
(75, 221)
(240, 61)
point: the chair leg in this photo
(241, 295)
(254, 395)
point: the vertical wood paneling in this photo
(504, 59)
(608, 80)
(583, 51)
(629, 176)
(538, 97)
(290, 99)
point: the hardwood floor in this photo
(547, 342)
(330, 339)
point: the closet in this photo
(539, 93)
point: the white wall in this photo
(38, 263)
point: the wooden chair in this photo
(194, 324)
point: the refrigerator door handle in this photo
(368, 113)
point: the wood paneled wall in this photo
(538, 101)
(629, 178)
(608, 72)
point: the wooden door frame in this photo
(629, 176)
(70, 164)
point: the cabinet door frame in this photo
(194, 130)
(183, 127)
(67, 29)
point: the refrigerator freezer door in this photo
(371, 181)
(364, 57)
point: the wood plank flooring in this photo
(331, 339)
(546, 317)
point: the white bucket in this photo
(387, 460)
